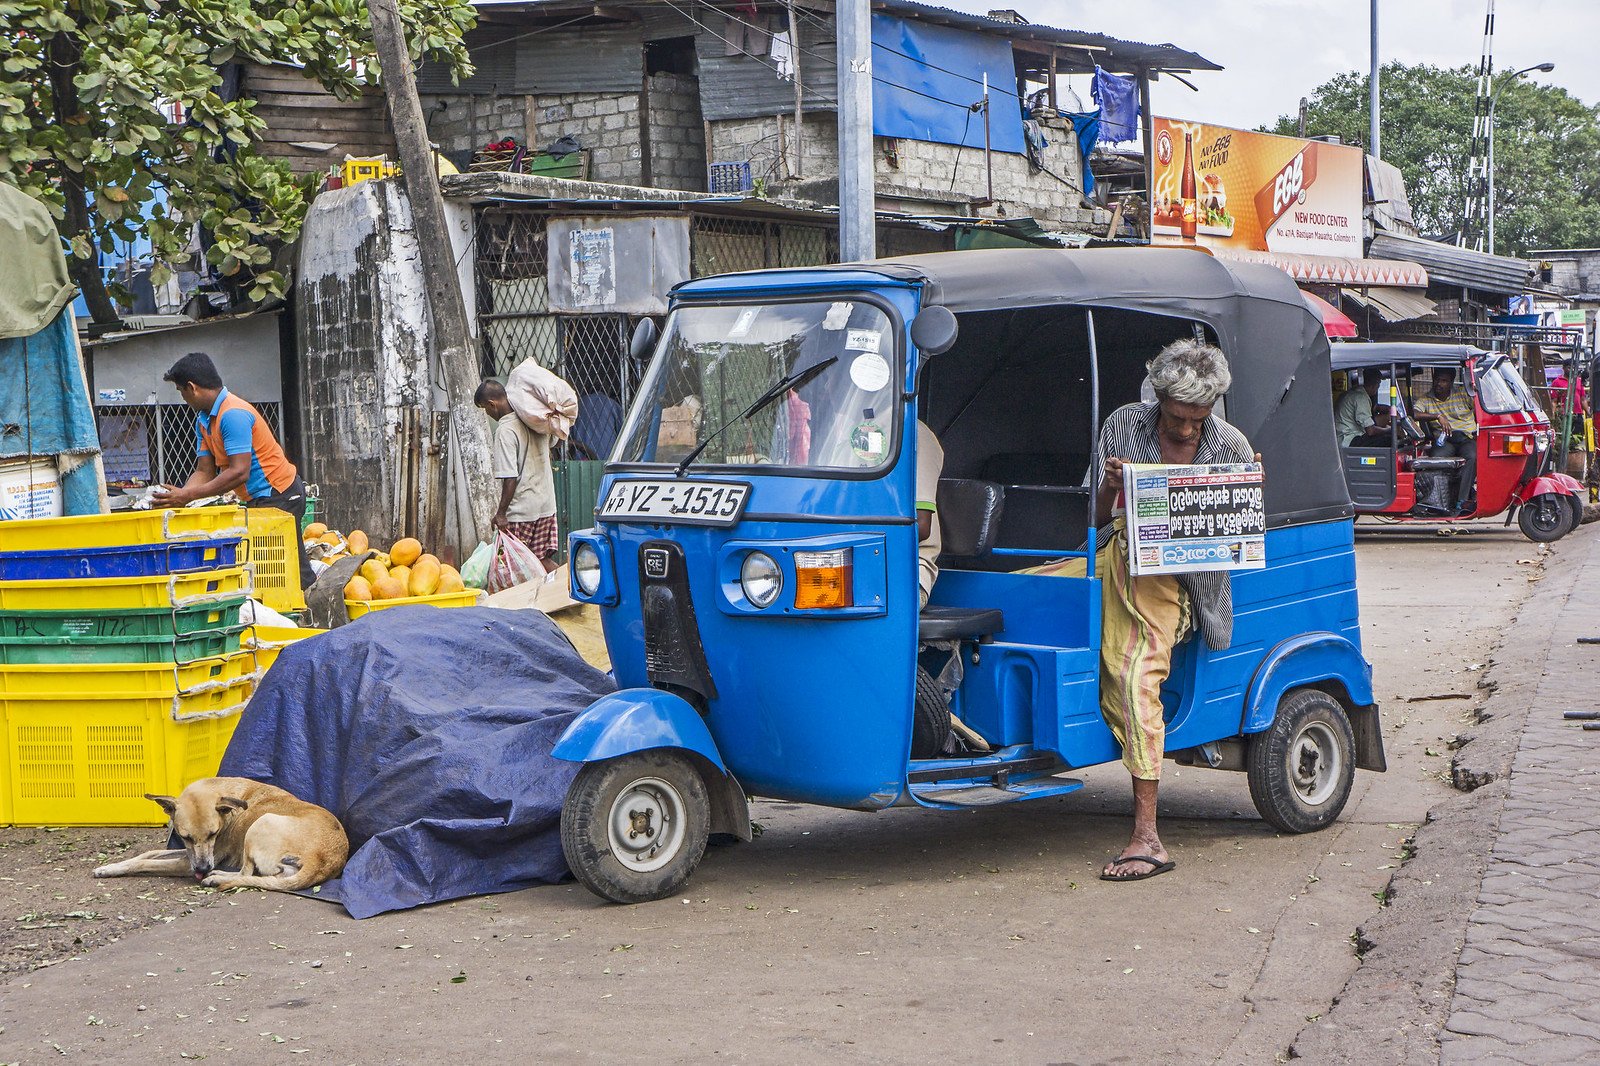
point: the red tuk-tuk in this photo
(1398, 476)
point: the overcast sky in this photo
(1276, 51)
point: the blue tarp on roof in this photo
(925, 77)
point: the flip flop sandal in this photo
(1157, 867)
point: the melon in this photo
(406, 551)
(388, 589)
(424, 580)
(450, 580)
(359, 588)
(357, 541)
(374, 571)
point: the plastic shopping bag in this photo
(544, 402)
(475, 571)
(514, 564)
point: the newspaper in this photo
(1183, 519)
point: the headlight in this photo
(760, 578)
(586, 568)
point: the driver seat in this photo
(969, 524)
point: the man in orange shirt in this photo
(236, 450)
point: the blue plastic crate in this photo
(132, 560)
(730, 177)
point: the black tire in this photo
(662, 798)
(930, 724)
(1301, 768)
(1545, 518)
(1576, 503)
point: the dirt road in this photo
(841, 936)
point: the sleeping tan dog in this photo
(239, 833)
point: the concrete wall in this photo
(677, 134)
(246, 351)
(1572, 271)
(914, 175)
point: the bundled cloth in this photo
(545, 403)
(428, 733)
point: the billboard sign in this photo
(1221, 187)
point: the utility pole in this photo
(1372, 89)
(857, 205)
(799, 94)
(453, 371)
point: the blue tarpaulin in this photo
(1118, 98)
(428, 733)
(925, 76)
(44, 410)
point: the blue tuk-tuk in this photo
(755, 552)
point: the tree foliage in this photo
(82, 84)
(1547, 150)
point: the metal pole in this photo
(1372, 89)
(857, 221)
(1490, 207)
(798, 159)
(988, 164)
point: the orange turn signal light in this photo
(1517, 445)
(823, 579)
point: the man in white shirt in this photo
(521, 461)
(930, 463)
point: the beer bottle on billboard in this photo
(1186, 193)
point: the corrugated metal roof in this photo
(1393, 305)
(1448, 265)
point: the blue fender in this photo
(636, 719)
(1305, 660)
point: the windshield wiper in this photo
(798, 379)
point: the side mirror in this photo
(645, 335)
(934, 330)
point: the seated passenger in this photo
(930, 464)
(1143, 619)
(1453, 420)
(1356, 420)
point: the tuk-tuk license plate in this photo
(705, 503)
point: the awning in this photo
(1335, 323)
(1393, 305)
(1331, 269)
(1448, 265)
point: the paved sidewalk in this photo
(1528, 978)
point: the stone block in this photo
(614, 121)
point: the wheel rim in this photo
(1546, 516)
(1316, 763)
(645, 828)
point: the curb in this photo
(1395, 1005)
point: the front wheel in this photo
(1301, 768)
(1545, 518)
(634, 828)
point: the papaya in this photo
(357, 541)
(382, 557)
(374, 571)
(388, 589)
(331, 538)
(425, 558)
(424, 580)
(406, 551)
(450, 580)
(401, 574)
(314, 531)
(359, 588)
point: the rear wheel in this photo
(930, 726)
(1545, 518)
(634, 828)
(1301, 768)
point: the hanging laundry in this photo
(746, 35)
(1118, 98)
(783, 55)
(1086, 127)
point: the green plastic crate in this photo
(137, 623)
(38, 651)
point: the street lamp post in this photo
(1493, 99)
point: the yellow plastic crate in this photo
(120, 530)
(155, 679)
(356, 608)
(355, 171)
(124, 593)
(82, 760)
(268, 641)
(275, 558)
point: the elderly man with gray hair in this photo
(1144, 618)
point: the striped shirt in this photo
(1129, 433)
(1456, 408)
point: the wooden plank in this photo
(319, 124)
(326, 101)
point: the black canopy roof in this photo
(1275, 344)
(1354, 356)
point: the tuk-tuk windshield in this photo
(715, 361)
(1501, 389)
